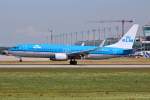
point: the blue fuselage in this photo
(46, 50)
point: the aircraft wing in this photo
(80, 54)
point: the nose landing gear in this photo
(20, 60)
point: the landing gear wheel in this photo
(73, 62)
(20, 60)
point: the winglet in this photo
(102, 44)
(83, 44)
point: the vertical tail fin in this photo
(127, 41)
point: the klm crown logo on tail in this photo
(128, 39)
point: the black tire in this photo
(20, 60)
(73, 62)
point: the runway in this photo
(74, 66)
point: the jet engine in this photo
(59, 57)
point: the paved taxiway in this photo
(74, 66)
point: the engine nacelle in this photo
(59, 57)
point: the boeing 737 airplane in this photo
(71, 52)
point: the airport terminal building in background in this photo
(146, 39)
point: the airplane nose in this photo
(4, 52)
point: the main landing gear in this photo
(73, 62)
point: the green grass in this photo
(75, 84)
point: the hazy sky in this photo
(28, 20)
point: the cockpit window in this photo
(16, 47)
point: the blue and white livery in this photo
(71, 52)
